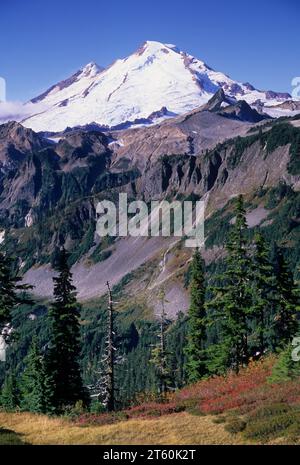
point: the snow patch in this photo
(28, 220)
(2, 236)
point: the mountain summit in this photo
(156, 76)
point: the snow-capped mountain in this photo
(157, 76)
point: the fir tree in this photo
(196, 359)
(262, 291)
(34, 386)
(10, 395)
(64, 346)
(10, 292)
(285, 368)
(159, 355)
(287, 302)
(232, 299)
(176, 345)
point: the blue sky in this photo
(43, 42)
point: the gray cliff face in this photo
(15, 143)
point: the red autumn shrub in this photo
(152, 409)
(245, 392)
(220, 393)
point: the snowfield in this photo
(157, 75)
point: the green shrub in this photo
(101, 256)
(265, 428)
(236, 425)
(269, 411)
(10, 438)
(285, 369)
(74, 411)
(195, 411)
(293, 431)
(97, 407)
(272, 421)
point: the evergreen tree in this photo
(176, 347)
(285, 367)
(287, 302)
(232, 299)
(10, 396)
(262, 291)
(159, 355)
(196, 359)
(10, 292)
(34, 385)
(64, 346)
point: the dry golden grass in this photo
(181, 428)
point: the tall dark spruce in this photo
(34, 384)
(286, 302)
(64, 345)
(159, 354)
(195, 367)
(262, 294)
(232, 300)
(10, 394)
(12, 293)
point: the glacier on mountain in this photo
(156, 76)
